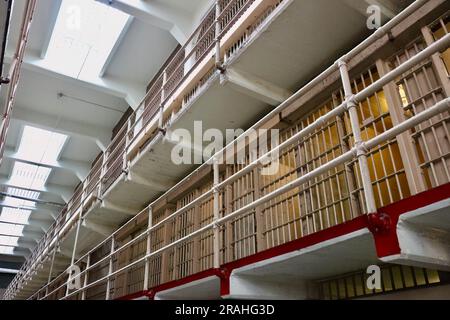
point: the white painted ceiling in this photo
(147, 45)
(99, 103)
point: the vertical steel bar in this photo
(362, 154)
(74, 249)
(147, 261)
(129, 128)
(51, 270)
(86, 277)
(216, 210)
(110, 270)
(163, 97)
(103, 171)
(217, 33)
(438, 64)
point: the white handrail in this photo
(355, 152)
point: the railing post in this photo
(86, 275)
(72, 262)
(49, 279)
(127, 141)
(196, 242)
(361, 151)
(349, 173)
(110, 270)
(147, 252)
(438, 63)
(259, 215)
(217, 34)
(84, 190)
(163, 98)
(103, 170)
(168, 231)
(216, 243)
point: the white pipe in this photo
(357, 139)
(9, 271)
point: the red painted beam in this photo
(383, 224)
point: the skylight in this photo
(41, 146)
(6, 250)
(16, 202)
(14, 215)
(84, 35)
(9, 229)
(8, 241)
(29, 176)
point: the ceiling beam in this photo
(42, 221)
(13, 223)
(255, 87)
(387, 8)
(8, 271)
(116, 46)
(26, 244)
(79, 168)
(37, 225)
(21, 252)
(131, 92)
(33, 234)
(56, 5)
(10, 235)
(65, 192)
(47, 211)
(177, 22)
(100, 135)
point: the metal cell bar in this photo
(72, 262)
(50, 273)
(110, 270)
(86, 277)
(148, 249)
(216, 245)
(362, 154)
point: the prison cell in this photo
(393, 279)
(101, 269)
(440, 29)
(420, 89)
(316, 205)
(385, 163)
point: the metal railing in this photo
(14, 72)
(195, 51)
(358, 152)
